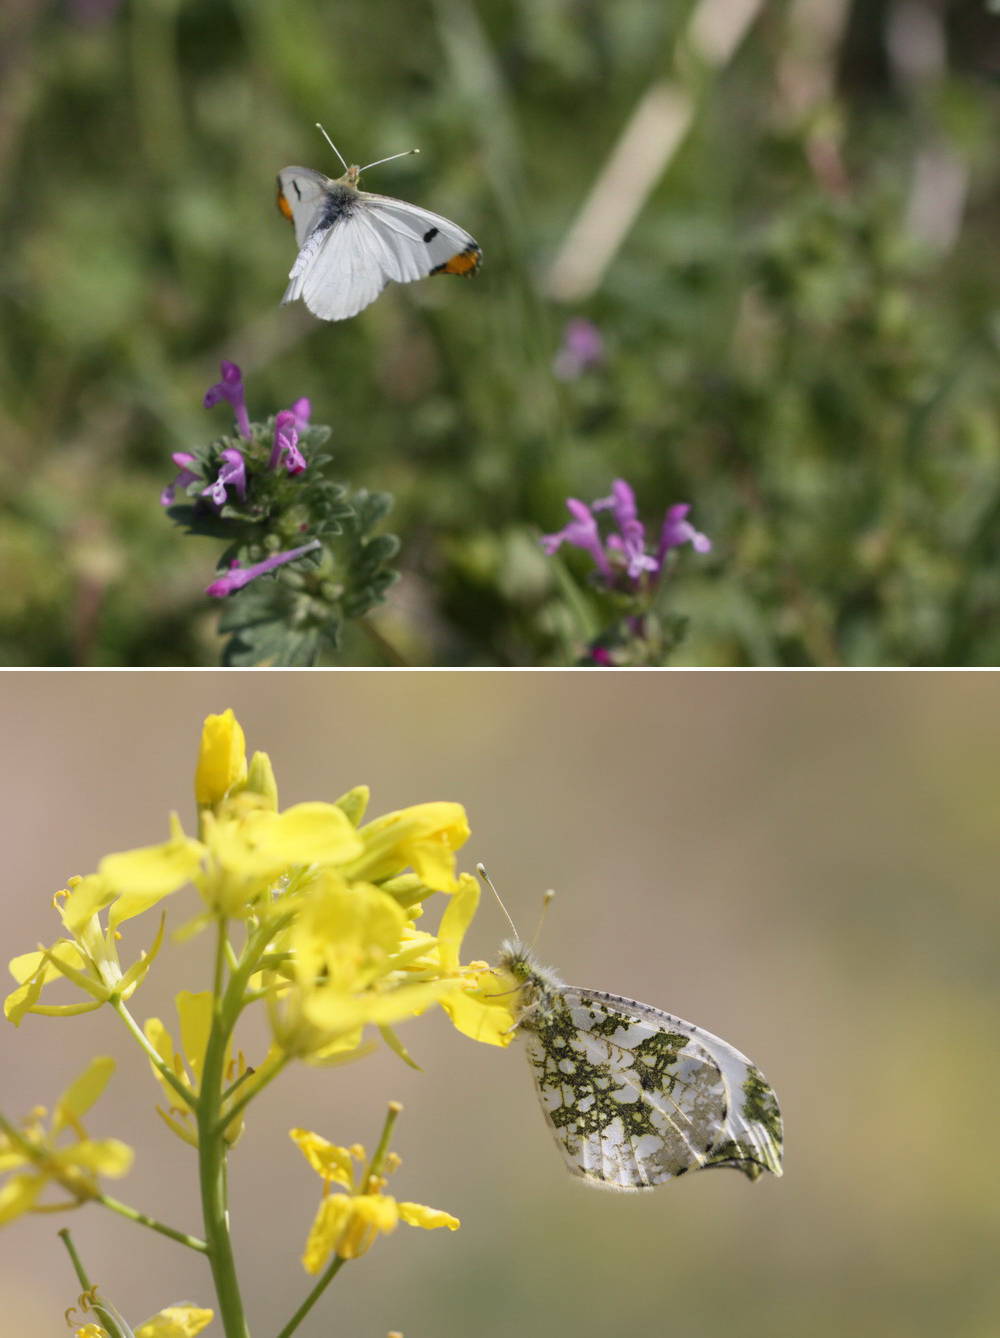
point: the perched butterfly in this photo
(635, 1096)
(351, 243)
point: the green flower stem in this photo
(312, 1298)
(375, 1165)
(109, 1321)
(212, 1156)
(167, 1074)
(144, 1219)
(235, 1111)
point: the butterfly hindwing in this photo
(636, 1096)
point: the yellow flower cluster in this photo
(330, 906)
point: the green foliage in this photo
(786, 349)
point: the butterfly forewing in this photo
(636, 1096)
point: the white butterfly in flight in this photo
(633, 1095)
(351, 243)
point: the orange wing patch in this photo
(465, 262)
(283, 205)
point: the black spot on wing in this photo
(430, 234)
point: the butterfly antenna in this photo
(541, 916)
(332, 145)
(392, 158)
(481, 870)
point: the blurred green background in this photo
(804, 864)
(792, 268)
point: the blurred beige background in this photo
(805, 864)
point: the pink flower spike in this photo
(183, 460)
(302, 409)
(237, 577)
(230, 388)
(285, 450)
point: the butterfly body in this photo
(634, 1095)
(352, 242)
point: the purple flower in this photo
(582, 347)
(623, 553)
(302, 410)
(183, 460)
(582, 532)
(233, 471)
(237, 577)
(630, 540)
(230, 388)
(677, 530)
(285, 450)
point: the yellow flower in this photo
(424, 838)
(89, 959)
(32, 1160)
(348, 1224)
(176, 1321)
(222, 762)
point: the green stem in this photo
(133, 1215)
(212, 1159)
(375, 1165)
(312, 1298)
(109, 1320)
(235, 1111)
(166, 1073)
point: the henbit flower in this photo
(582, 348)
(74, 1167)
(285, 450)
(302, 411)
(233, 471)
(631, 538)
(237, 577)
(348, 1224)
(583, 533)
(677, 530)
(183, 460)
(230, 388)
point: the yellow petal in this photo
(327, 1228)
(222, 759)
(371, 1215)
(101, 1156)
(195, 1014)
(333, 1163)
(456, 920)
(424, 837)
(311, 833)
(345, 936)
(415, 1214)
(82, 1093)
(87, 896)
(142, 877)
(176, 1321)
(486, 1013)
(19, 1194)
(338, 1011)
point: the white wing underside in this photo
(638, 1130)
(342, 269)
